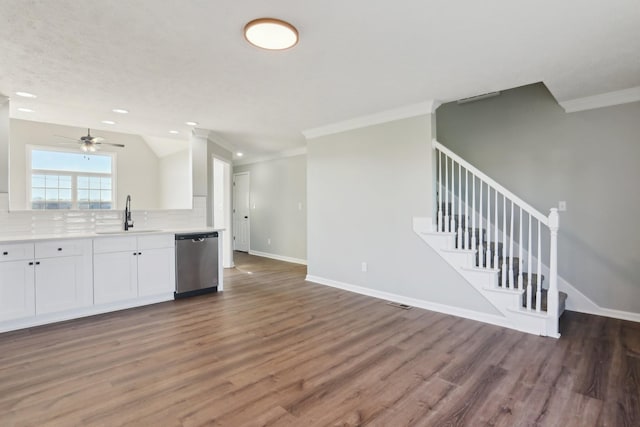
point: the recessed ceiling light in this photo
(271, 34)
(191, 123)
(26, 110)
(108, 122)
(239, 154)
(120, 111)
(174, 132)
(26, 95)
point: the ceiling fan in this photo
(91, 143)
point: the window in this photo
(62, 179)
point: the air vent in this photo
(398, 305)
(477, 98)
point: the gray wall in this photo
(214, 149)
(279, 206)
(591, 159)
(364, 187)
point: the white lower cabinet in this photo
(17, 289)
(63, 276)
(133, 266)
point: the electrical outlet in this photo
(562, 206)
(364, 267)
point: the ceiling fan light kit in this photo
(90, 143)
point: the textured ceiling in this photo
(172, 61)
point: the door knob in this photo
(246, 217)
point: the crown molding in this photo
(200, 133)
(427, 107)
(292, 152)
(607, 99)
(218, 139)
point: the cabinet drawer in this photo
(16, 251)
(61, 248)
(114, 244)
(157, 241)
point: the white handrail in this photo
(524, 205)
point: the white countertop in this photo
(22, 238)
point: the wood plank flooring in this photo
(274, 350)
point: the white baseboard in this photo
(427, 305)
(279, 257)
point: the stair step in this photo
(534, 280)
(562, 298)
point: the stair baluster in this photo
(466, 205)
(504, 242)
(496, 236)
(440, 224)
(520, 260)
(539, 277)
(529, 265)
(511, 276)
(479, 230)
(487, 255)
(473, 214)
(447, 207)
(460, 206)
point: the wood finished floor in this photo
(276, 350)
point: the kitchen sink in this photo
(127, 232)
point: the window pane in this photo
(52, 194)
(51, 181)
(37, 194)
(83, 182)
(83, 195)
(37, 180)
(94, 182)
(70, 161)
(105, 196)
(105, 183)
(94, 195)
(65, 181)
(65, 194)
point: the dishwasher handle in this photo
(198, 240)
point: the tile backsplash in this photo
(31, 223)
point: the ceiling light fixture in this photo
(239, 154)
(271, 34)
(26, 110)
(174, 132)
(108, 122)
(120, 111)
(191, 123)
(26, 95)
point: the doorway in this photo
(221, 207)
(241, 220)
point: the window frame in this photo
(74, 176)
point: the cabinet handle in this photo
(31, 263)
(59, 249)
(139, 253)
(135, 253)
(37, 262)
(5, 253)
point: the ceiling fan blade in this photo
(109, 143)
(97, 139)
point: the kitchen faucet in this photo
(128, 222)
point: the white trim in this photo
(38, 320)
(233, 209)
(607, 99)
(427, 107)
(427, 305)
(219, 140)
(279, 257)
(292, 152)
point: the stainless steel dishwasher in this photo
(196, 263)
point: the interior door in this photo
(241, 220)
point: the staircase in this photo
(500, 244)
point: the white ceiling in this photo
(172, 61)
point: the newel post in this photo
(553, 295)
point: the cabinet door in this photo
(62, 283)
(17, 293)
(115, 277)
(156, 271)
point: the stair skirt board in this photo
(486, 281)
(530, 324)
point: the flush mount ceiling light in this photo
(120, 111)
(271, 34)
(191, 123)
(108, 122)
(239, 154)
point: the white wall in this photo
(590, 159)
(4, 144)
(174, 180)
(279, 206)
(363, 188)
(137, 165)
